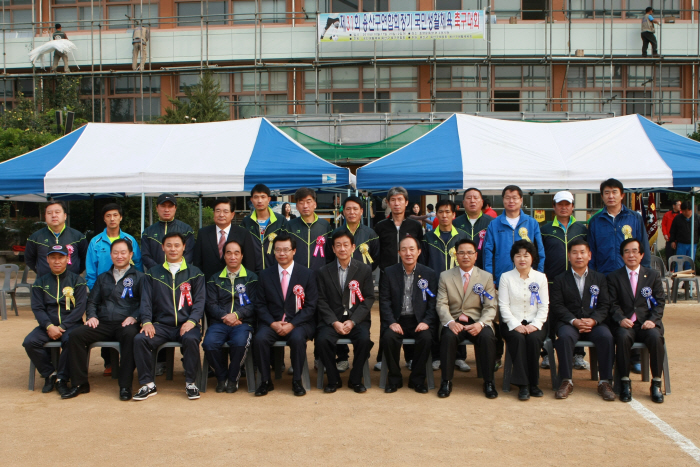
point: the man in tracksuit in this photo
(263, 226)
(172, 305)
(231, 314)
(56, 233)
(151, 240)
(58, 302)
(113, 313)
(310, 232)
(474, 222)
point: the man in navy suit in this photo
(286, 305)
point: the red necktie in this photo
(465, 287)
(222, 242)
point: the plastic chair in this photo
(592, 351)
(365, 371)
(384, 375)
(248, 364)
(508, 365)
(170, 361)
(115, 350)
(645, 369)
(55, 347)
(25, 277)
(8, 270)
(678, 261)
(278, 348)
(658, 264)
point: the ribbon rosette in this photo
(128, 283)
(523, 234)
(70, 297)
(364, 249)
(534, 293)
(595, 290)
(185, 294)
(242, 296)
(482, 235)
(320, 241)
(627, 231)
(481, 291)
(270, 238)
(70, 249)
(453, 257)
(299, 292)
(355, 293)
(423, 286)
(646, 293)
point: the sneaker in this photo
(436, 365)
(317, 363)
(378, 366)
(462, 365)
(145, 392)
(192, 391)
(409, 365)
(545, 362)
(290, 370)
(343, 366)
(637, 368)
(580, 363)
(160, 368)
(498, 365)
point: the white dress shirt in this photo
(218, 232)
(514, 299)
(289, 270)
(629, 277)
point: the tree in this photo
(201, 103)
(695, 135)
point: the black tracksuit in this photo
(476, 233)
(307, 237)
(152, 242)
(38, 245)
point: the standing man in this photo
(286, 306)
(41, 242)
(153, 236)
(310, 232)
(488, 210)
(637, 307)
(680, 233)
(58, 302)
(139, 41)
(231, 312)
(474, 221)
(263, 226)
(209, 247)
(345, 298)
(172, 305)
(57, 56)
(466, 306)
(666, 227)
(113, 312)
(648, 36)
(407, 310)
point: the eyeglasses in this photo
(466, 253)
(283, 250)
(511, 198)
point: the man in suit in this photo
(466, 306)
(407, 310)
(578, 307)
(637, 306)
(286, 304)
(345, 298)
(209, 247)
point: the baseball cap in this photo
(564, 196)
(167, 197)
(60, 249)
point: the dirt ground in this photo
(343, 428)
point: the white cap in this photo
(564, 196)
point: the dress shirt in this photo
(514, 299)
(289, 270)
(119, 273)
(218, 232)
(407, 308)
(232, 276)
(342, 274)
(629, 278)
(580, 283)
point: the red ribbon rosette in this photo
(185, 294)
(320, 241)
(70, 249)
(299, 292)
(355, 292)
(482, 234)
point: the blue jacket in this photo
(99, 259)
(500, 237)
(605, 235)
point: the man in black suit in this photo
(578, 307)
(345, 298)
(407, 309)
(637, 306)
(209, 247)
(285, 305)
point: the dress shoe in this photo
(231, 387)
(523, 393)
(490, 390)
(359, 388)
(419, 388)
(125, 394)
(391, 388)
(264, 388)
(75, 390)
(221, 386)
(298, 389)
(108, 371)
(565, 388)
(606, 392)
(445, 389)
(625, 390)
(62, 387)
(656, 394)
(49, 384)
(535, 391)
(331, 388)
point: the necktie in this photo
(222, 241)
(633, 283)
(285, 282)
(466, 284)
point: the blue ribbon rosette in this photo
(128, 283)
(646, 293)
(479, 290)
(595, 291)
(242, 296)
(534, 293)
(423, 286)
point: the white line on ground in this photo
(684, 443)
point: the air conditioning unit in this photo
(579, 53)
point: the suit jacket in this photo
(391, 288)
(270, 306)
(206, 249)
(623, 304)
(565, 303)
(334, 301)
(452, 302)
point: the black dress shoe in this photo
(535, 391)
(490, 390)
(391, 388)
(359, 388)
(656, 394)
(75, 390)
(264, 388)
(445, 389)
(49, 384)
(625, 390)
(331, 388)
(125, 394)
(298, 388)
(420, 388)
(62, 387)
(221, 386)
(523, 393)
(231, 387)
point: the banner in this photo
(649, 216)
(401, 25)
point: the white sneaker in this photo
(290, 370)
(462, 365)
(436, 365)
(378, 366)
(192, 391)
(409, 365)
(317, 363)
(580, 363)
(160, 368)
(545, 362)
(343, 366)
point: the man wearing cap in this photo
(58, 302)
(152, 237)
(474, 221)
(310, 232)
(263, 226)
(113, 313)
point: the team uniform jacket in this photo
(38, 245)
(363, 236)
(222, 297)
(389, 239)
(161, 293)
(264, 256)
(474, 233)
(438, 255)
(99, 259)
(306, 236)
(556, 241)
(605, 235)
(109, 302)
(49, 300)
(152, 242)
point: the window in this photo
(358, 6)
(270, 87)
(125, 102)
(639, 102)
(117, 14)
(456, 79)
(20, 19)
(506, 101)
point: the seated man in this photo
(113, 312)
(172, 304)
(407, 311)
(285, 306)
(345, 298)
(58, 302)
(466, 306)
(637, 305)
(578, 306)
(231, 317)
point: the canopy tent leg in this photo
(200, 211)
(143, 212)
(692, 240)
